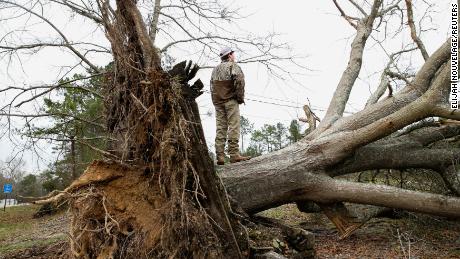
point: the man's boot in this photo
(238, 158)
(220, 159)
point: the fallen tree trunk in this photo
(291, 175)
(304, 171)
(258, 191)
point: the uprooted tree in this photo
(168, 202)
(159, 195)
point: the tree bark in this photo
(257, 187)
(73, 157)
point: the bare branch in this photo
(409, 150)
(200, 22)
(386, 196)
(103, 152)
(50, 44)
(384, 81)
(32, 46)
(349, 76)
(81, 10)
(390, 8)
(403, 77)
(413, 30)
(68, 44)
(347, 18)
(430, 122)
(50, 88)
(419, 109)
(311, 118)
(6, 114)
(358, 7)
(154, 22)
(410, 93)
(446, 112)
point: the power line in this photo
(273, 103)
(277, 104)
(270, 98)
(262, 101)
(316, 108)
(265, 118)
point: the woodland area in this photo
(150, 188)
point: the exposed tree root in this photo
(126, 216)
(35, 199)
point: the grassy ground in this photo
(20, 231)
(412, 236)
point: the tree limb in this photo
(67, 42)
(80, 10)
(384, 81)
(413, 30)
(420, 84)
(385, 196)
(350, 74)
(154, 22)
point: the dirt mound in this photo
(126, 207)
(126, 216)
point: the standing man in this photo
(227, 91)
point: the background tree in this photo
(29, 186)
(256, 147)
(11, 172)
(269, 135)
(268, 138)
(246, 128)
(76, 123)
(280, 135)
(294, 132)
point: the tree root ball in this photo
(120, 212)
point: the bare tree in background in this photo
(13, 169)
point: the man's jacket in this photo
(227, 82)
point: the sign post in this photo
(7, 188)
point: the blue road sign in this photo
(7, 188)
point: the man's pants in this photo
(227, 123)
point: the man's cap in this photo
(225, 51)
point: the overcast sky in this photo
(312, 28)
